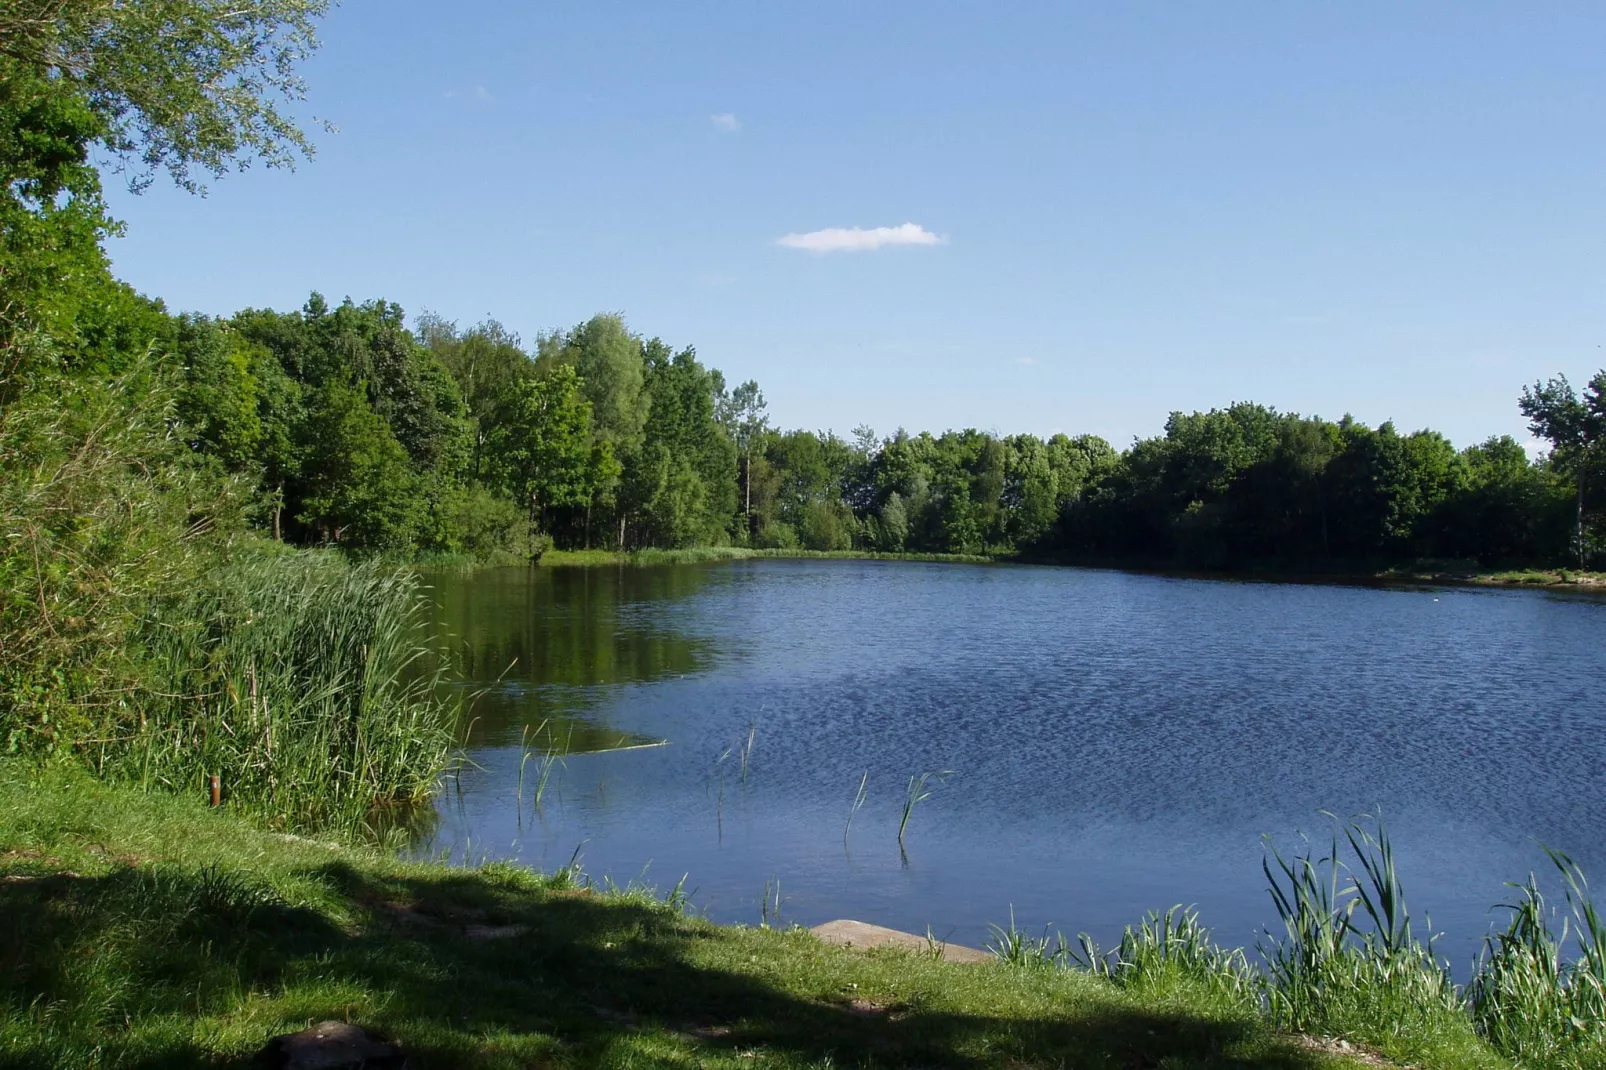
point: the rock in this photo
(862, 934)
(332, 1046)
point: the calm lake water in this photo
(1113, 742)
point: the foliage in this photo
(540, 450)
(174, 84)
(1575, 427)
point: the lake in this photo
(1107, 743)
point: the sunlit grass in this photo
(142, 929)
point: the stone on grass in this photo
(864, 935)
(332, 1046)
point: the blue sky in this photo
(1392, 210)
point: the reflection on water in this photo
(1117, 742)
(540, 648)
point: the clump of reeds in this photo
(1166, 948)
(1017, 947)
(1348, 962)
(1540, 996)
(297, 679)
(545, 762)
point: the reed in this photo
(1348, 963)
(1016, 947)
(858, 802)
(769, 904)
(745, 748)
(546, 761)
(296, 678)
(915, 794)
(1539, 996)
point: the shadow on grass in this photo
(462, 957)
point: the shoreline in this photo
(239, 935)
(236, 934)
(1399, 575)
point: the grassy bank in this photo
(146, 930)
(1363, 573)
(292, 676)
(1519, 577)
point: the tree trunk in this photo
(1580, 517)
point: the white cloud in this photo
(860, 239)
(481, 93)
(725, 122)
(1027, 361)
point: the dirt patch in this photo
(863, 1008)
(1339, 1046)
(465, 922)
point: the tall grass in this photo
(297, 679)
(1348, 963)
(1016, 947)
(1539, 995)
(1167, 949)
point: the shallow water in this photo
(1112, 742)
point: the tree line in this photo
(368, 434)
(348, 425)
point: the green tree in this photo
(681, 488)
(608, 360)
(220, 400)
(1575, 427)
(540, 446)
(743, 416)
(52, 220)
(360, 490)
(178, 85)
(484, 360)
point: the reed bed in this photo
(297, 679)
(1347, 961)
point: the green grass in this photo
(1514, 577)
(146, 930)
(1542, 576)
